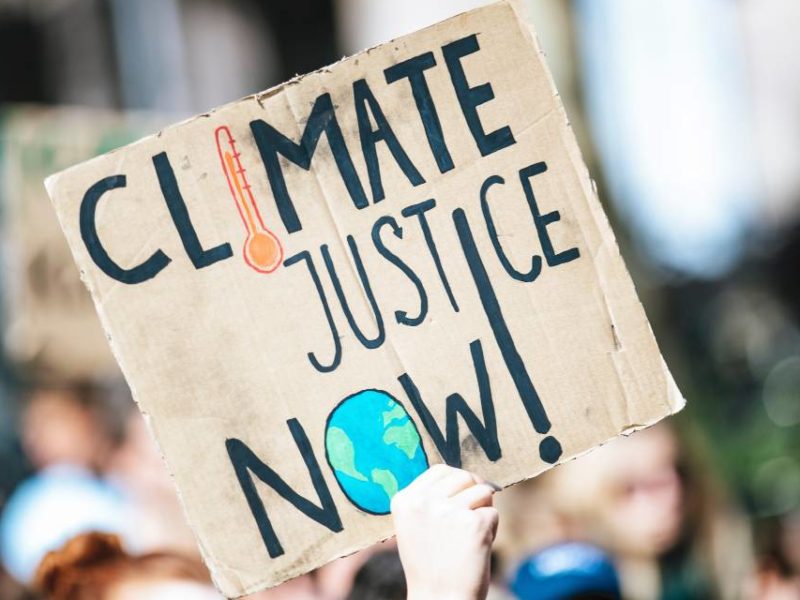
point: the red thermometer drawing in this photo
(262, 249)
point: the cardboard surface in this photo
(319, 290)
(52, 326)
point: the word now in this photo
(447, 440)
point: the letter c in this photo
(142, 272)
(536, 261)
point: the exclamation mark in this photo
(549, 448)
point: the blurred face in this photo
(644, 512)
(56, 429)
(626, 496)
(163, 590)
(138, 462)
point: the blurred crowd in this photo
(642, 517)
(688, 112)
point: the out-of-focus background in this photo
(688, 113)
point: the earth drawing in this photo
(373, 448)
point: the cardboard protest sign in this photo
(52, 326)
(320, 290)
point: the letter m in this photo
(272, 142)
(246, 462)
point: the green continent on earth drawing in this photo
(374, 449)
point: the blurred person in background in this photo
(335, 579)
(10, 589)
(380, 578)
(567, 571)
(671, 532)
(96, 566)
(445, 525)
(137, 469)
(67, 438)
(65, 424)
(93, 566)
(778, 549)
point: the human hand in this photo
(445, 525)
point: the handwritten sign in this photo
(52, 327)
(319, 291)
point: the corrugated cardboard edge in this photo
(674, 396)
(676, 401)
(226, 579)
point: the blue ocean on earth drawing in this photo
(373, 448)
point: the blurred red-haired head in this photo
(94, 566)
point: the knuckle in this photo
(491, 516)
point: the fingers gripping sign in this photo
(445, 524)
